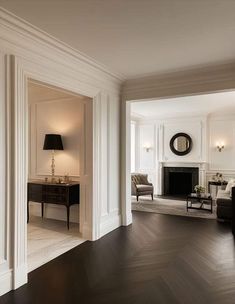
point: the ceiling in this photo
(39, 92)
(208, 104)
(138, 37)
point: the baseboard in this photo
(110, 223)
(5, 282)
(55, 212)
(127, 219)
(20, 276)
(87, 233)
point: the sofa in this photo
(225, 201)
(224, 205)
(140, 185)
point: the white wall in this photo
(157, 135)
(204, 131)
(222, 129)
(146, 137)
(133, 146)
(58, 115)
(194, 127)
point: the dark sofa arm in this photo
(233, 210)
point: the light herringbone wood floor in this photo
(159, 259)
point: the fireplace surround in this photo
(179, 180)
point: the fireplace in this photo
(179, 180)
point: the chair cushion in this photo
(223, 194)
(140, 179)
(143, 188)
(230, 184)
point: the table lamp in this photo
(53, 142)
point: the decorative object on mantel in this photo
(199, 189)
(220, 146)
(181, 144)
(218, 177)
(53, 142)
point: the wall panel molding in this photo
(35, 128)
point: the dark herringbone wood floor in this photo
(159, 259)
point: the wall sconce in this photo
(147, 147)
(220, 146)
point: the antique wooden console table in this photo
(60, 194)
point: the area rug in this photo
(170, 206)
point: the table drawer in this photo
(56, 190)
(54, 199)
(35, 192)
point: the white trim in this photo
(5, 282)
(188, 82)
(19, 26)
(224, 172)
(89, 228)
(4, 215)
(110, 224)
(19, 172)
(126, 165)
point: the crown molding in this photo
(137, 116)
(208, 79)
(28, 31)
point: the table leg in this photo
(68, 211)
(27, 211)
(42, 209)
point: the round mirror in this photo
(181, 144)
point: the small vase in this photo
(198, 193)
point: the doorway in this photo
(55, 111)
(209, 121)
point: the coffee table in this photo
(203, 199)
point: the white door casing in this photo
(21, 71)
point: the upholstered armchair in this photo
(140, 185)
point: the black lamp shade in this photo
(53, 142)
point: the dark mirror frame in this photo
(183, 152)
